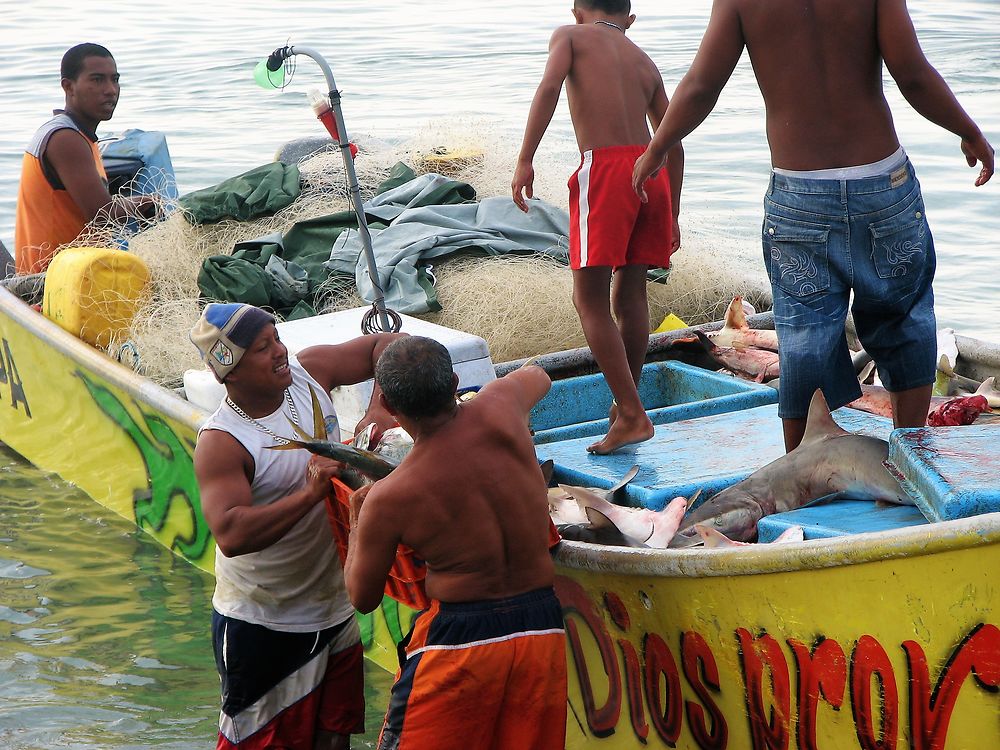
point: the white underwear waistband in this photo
(876, 169)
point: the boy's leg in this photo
(591, 296)
(628, 300)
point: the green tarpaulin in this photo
(259, 192)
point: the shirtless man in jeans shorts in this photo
(843, 211)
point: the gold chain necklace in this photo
(264, 428)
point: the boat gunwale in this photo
(762, 559)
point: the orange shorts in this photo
(482, 675)
(608, 224)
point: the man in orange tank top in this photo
(63, 183)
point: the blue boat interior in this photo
(671, 391)
(711, 434)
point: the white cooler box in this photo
(469, 354)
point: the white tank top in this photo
(296, 584)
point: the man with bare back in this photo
(485, 665)
(843, 211)
(613, 88)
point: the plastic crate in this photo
(405, 583)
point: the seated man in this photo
(286, 642)
(485, 665)
(63, 182)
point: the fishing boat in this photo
(871, 639)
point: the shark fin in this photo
(614, 492)
(319, 425)
(715, 539)
(736, 318)
(791, 534)
(584, 497)
(598, 520)
(706, 342)
(866, 373)
(547, 467)
(288, 446)
(299, 431)
(819, 422)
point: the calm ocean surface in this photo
(104, 638)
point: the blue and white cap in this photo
(224, 332)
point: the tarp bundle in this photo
(412, 220)
(260, 191)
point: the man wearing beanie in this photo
(286, 642)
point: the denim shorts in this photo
(824, 239)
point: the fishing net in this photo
(521, 305)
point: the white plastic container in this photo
(470, 357)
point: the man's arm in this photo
(698, 91)
(349, 363)
(542, 107)
(924, 88)
(71, 157)
(221, 466)
(528, 384)
(372, 549)
(675, 158)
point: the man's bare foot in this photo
(623, 432)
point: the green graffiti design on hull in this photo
(169, 469)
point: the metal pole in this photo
(352, 178)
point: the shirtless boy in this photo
(485, 664)
(843, 211)
(613, 87)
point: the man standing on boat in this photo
(843, 212)
(63, 182)
(286, 641)
(485, 664)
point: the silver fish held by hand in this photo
(363, 461)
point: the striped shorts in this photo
(279, 688)
(608, 224)
(482, 675)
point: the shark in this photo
(610, 524)
(588, 514)
(751, 362)
(737, 333)
(713, 539)
(828, 460)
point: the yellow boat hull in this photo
(877, 641)
(874, 641)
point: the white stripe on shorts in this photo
(583, 178)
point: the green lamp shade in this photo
(269, 79)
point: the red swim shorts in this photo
(608, 224)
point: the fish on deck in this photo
(828, 460)
(713, 539)
(610, 524)
(737, 333)
(750, 362)
(586, 514)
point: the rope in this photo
(370, 323)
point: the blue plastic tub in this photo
(670, 391)
(950, 472)
(840, 517)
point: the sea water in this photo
(104, 637)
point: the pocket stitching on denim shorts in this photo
(894, 260)
(796, 268)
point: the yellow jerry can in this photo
(94, 292)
